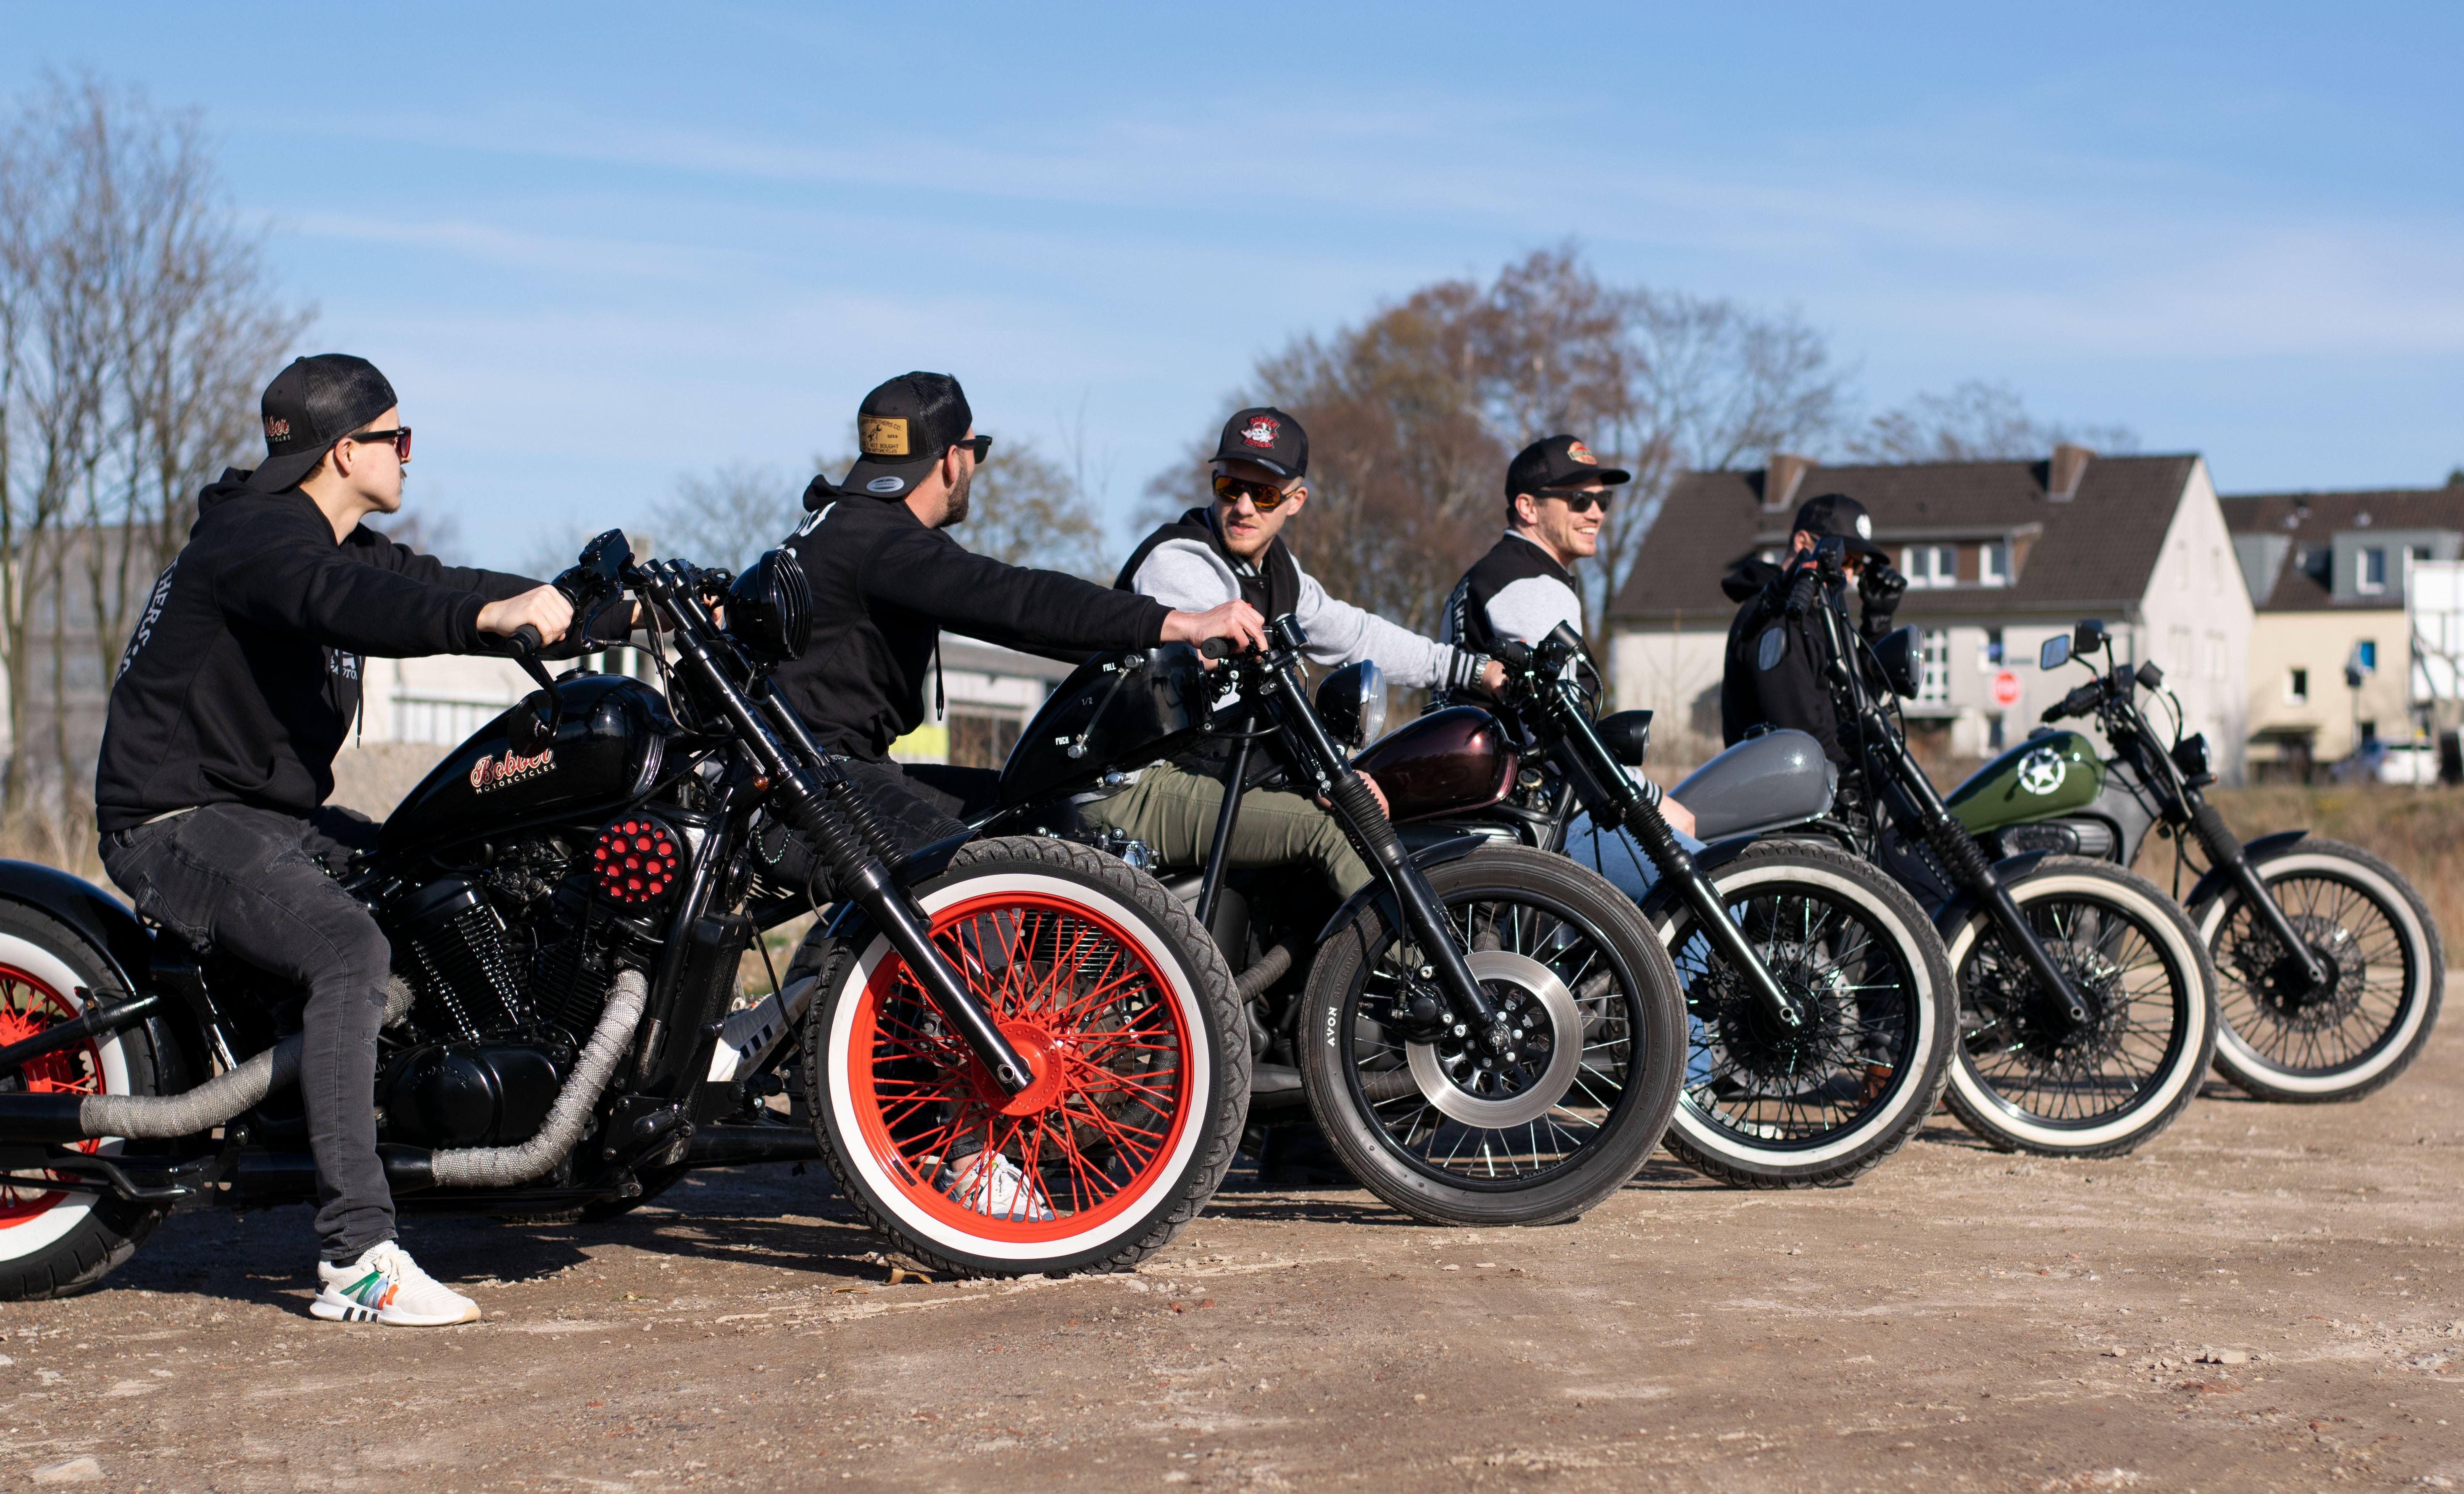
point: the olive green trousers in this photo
(1173, 810)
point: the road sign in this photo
(2006, 690)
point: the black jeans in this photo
(248, 882)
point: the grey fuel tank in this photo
(1763, 783)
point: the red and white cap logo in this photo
(1260, 430)
(1578, 451)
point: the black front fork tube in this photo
(2216, 838)
(1676, 868)
(1966, 861)
(1476, 1015)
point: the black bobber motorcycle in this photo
(1020, 1063)
(2087, 1007)
(1486, 1034)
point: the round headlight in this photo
(770, 608)
(1351, 702)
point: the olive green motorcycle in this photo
(2329, 969)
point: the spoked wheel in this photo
(1454, 1134)
(2030, 1079)
(1770, 1106)
(1120, 1002)
(58, 1241)
(2288, 1038)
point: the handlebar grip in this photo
(2078, 702)
(526, 638)
(1801, 597)
(1217, 648)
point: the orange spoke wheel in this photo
(1112, 1052)
(29, 1008)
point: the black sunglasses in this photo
(401, 439)
(1579, 500)
(980, 445)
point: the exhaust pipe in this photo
(502, 1167)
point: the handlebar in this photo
(2078, 702)
(525, 640)
(1217, 648)
(1802, 596)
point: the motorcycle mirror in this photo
(2056, 653)
(2088, 637)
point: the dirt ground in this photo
(2267, 1298)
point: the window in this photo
(1990, 658)
(2216, 656)
(1930, 564)
(1994, 741)
(1933, 684)
(1993, 563)
(2297, 687)
(2417, 552)
(2366, 653)
(980, 741)
(2369, 571)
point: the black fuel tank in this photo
(1116, 711)
(607, 752)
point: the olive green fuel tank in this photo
(2040, 778)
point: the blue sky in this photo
(599, 246)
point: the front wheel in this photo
(2285, 1038)
(1450, 1134)
(2030, 1079)
(1771, 1107)
(1121, 1006)
(57, 1241)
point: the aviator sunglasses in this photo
(1265, 496)
(401, 439)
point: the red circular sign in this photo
(2006, 690)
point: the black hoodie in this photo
(243, 676)
(884, 586)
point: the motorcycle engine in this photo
(509, 965)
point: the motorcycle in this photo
(2087, 1002)
(1818, 998)
(1485, 1033)
(2330, 970)
(1021, 1067)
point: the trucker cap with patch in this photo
(901, 429)
(1558, 462)
(310, 406)
(1268, 437)
(1837, 514)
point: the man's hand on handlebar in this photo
(543, 608)
(1492, 676)
(1235, 621)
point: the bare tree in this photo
(1975, 421)
(725, 516)
(1028, 509)
(136, 328)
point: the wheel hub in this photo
(1754, 1037)
(2037, 1019)
(2283, 990)
(1464, 1080)
(1044, 1054)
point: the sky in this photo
(600, 248)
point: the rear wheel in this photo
(2285, 1038)
(58, 1241)
(2027, 1078)
(1769, 1107)
(1121, 1004)
(1447, 1133)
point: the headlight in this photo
(1351, 702)
(770, 608)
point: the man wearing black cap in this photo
(888, 578)
(1556, 499)
(1234, 550)
(1773, 674)
(235, 692)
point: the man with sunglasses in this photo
(1234, 550)
(235, 692)
(1556, 499)
(888, 578)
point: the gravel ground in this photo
(2267, 1298)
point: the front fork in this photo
(2224, 852)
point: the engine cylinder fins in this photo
(459, 956)
(636, 860)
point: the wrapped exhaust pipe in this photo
(503, 1167)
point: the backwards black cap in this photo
(1268, 437)
(1558, 462)
(1837, 514)
(310, 406)
(902, 427)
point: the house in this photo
(989, 694)
(1999, 556)
(2331, 656)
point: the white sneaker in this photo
(386, 1286)
(1000, 1189)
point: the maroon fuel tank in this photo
(1445, 762)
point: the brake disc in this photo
(1513, 1092)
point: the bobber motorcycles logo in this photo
(490, 773)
